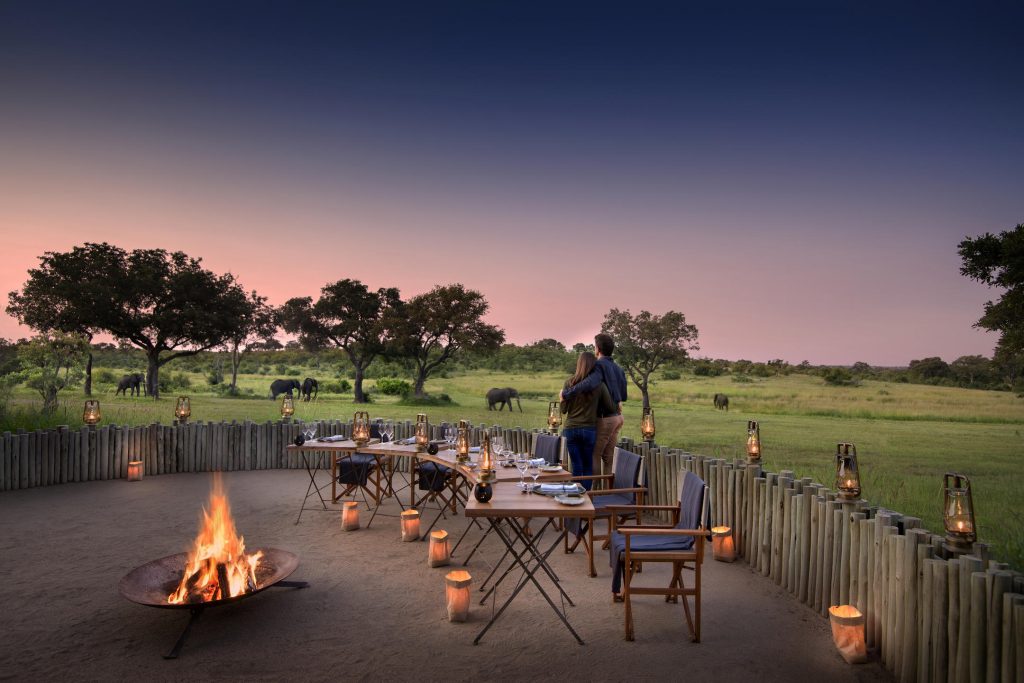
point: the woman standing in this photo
(580, 426)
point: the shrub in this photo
(173, 381)
(670, 374)
(340, 387)
(392, 386)
(281, 369)
(839, 377)
(104, 376)
(215, 377)
(741, 379)
(706, 369)
(439, 400)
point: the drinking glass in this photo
(497, 444)
(387, 429)
(522, 464)
(534, 472)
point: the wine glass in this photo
(387, 429)
(534, 469)
(497, 444)
(451, 434)
(522, 464)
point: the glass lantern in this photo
(462, 442)
(647, 429)
(361, 427)
(554, 415)
(183, 409)
(753, 441)
(287, 407)
(958, 512)
(847, 473)
(91, 413)
(422, 432)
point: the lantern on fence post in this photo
(422, 432)
(462, 442)
(723, 548)
(647, 429)
(753, 442)
(287, 407)
(350, 516)
(456, 593)
(361, 427)
(91, 412)
(958, 513)
(410, 525)
(437, 550)
(554, 415)
(135, 470)
(182, 409)
(848, 632)
(847, 473)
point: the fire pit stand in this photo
(151, 583)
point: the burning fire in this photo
(217, 557)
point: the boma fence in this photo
(929, 616)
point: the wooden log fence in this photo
(930, 616)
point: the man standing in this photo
(608, 425)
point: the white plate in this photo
(571, 500)
(551, 468)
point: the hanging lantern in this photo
(722, 545)
(456, 593)
(361, 427)
(422, 432)
(753, 441)
(437, 551)
(554, 415)
(410, 525)
(958, 512)
(91, 413)
(847, 474)
(462, 442)
(135, 470)
(287, 407)
(647, 425)
(183, 409)
(350, 516)
(848, 632)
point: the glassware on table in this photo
(534, 470)
(451, 433)
(522, 464)
(387, 429)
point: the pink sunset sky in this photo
(794, 194)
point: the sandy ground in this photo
(374, 609)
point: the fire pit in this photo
(217, 570)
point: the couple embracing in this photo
(592, 400)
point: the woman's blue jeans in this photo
(579, 441)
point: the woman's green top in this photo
(581, 410)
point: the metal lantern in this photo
(91, 413)
(647, 425)
(554, 415)
(958, 512)
(287, 406)
(422, 432)
(361, 427)
(486, 459)
(753, 441)
(183, 409)
(462, 442)
(847, 474)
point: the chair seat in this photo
(355, 469)
(612, 499)
(648, 543)
(433, 477)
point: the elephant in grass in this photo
(722, 402)
(310, 388)
(284, 386)
(133, 384)
(503, 397)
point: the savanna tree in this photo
(434, 327)
(255, 326)
(348, 316)
(53, 361)
(645, 342)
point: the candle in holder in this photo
(135, 470)
(554, 415)
(437, 550)
(958, 513)
(462, 442)
(350, 516)
(182, 409)
(848, 632)
(847, 474)
(361, 427)
(647, 425)
(753, 441)
(287, 407)
(410, 525)
(422, 432)
(456, 594)
(91, 413)
(722, 545)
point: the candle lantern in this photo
(958, 513)
(753, 441)
(437, 550)
(554, 415)
(91, 413)
(411, 525)
(462, 442)
(847, 474)
(456, 593)
(135, 470)
(486, 459)
(287, 407)
(647, 425)
(422, 432)
(722, 545)
(183, 409)
(361, 427)
(350, 515)
(848, 632)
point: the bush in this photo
(104, 376)
(174, 381)
(392, 386)
(839, 377)
(706, 369)
(215, 377)
(741, 379)
(670, 374)
(281, 369)
(340, 387)
(439, 400)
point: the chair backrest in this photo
(694, 503)
(626, 468)
(374, 430)
(549, 447)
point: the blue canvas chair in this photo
(361, 472)
(623, 490)
(549, 447)
(681, 543)
(435, 482)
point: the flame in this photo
(217, 544)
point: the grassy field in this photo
(906, 435)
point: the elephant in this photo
(131, 384)
(310, 386)
(722, 402)
(284, 386)
(503, 397)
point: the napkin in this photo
(474, 449)
(538, 462)
(407, 442)
(336, 437)
(559, 488)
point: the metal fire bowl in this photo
(151, 583)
